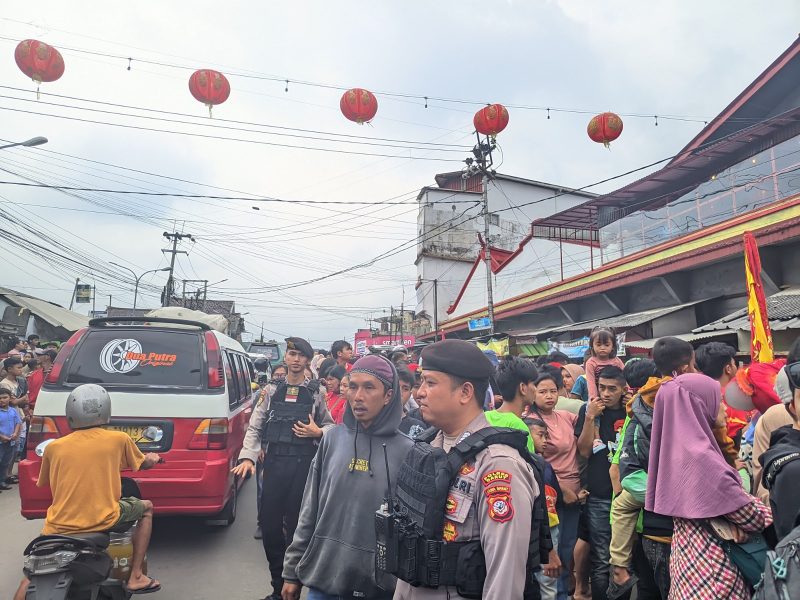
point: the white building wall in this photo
(448, 224)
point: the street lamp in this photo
(136, 288)
(37, 141)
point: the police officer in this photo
(491, 499)
(292, 421)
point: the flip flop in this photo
(152, 587)
(615, 590)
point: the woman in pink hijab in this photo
(689, 480)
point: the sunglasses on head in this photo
(793, 372)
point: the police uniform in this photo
(490, 500)
(287, 458)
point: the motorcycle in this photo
(77, 566)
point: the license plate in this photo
(136, 433)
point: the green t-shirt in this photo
(510, 420)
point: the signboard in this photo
(83, 294)
(577, 348)
(480, 324)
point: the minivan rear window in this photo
(271, 352)
(140, 357)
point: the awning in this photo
(624, 321)
(689, 337)
(53, 314)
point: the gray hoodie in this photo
(334, 544)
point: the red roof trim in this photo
(740, 100)
(451, 309)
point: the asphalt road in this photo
(189, 558)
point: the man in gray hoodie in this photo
(333, 550)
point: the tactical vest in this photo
(288, 405)
(410, 542)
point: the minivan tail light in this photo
(63, 355)
(41, 429)
(216, 372)
(210, 434)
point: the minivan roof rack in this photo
(103, 321)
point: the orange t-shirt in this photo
(82, 470)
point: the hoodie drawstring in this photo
(369, 456)
(355, 449)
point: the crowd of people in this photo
(455, 473)
(22, 374)
(649, 477)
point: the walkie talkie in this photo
(385, 530)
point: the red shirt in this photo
(336, 404)
(35, 382)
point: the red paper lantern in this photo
(605, 128)
(39, 61)
(491, 120)
(209, 87)
(359, 105)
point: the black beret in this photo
(456, 357)
(302, 346)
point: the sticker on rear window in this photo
(124, 355)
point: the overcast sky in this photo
(681, 58)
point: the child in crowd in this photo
(603, 346)
(10, 428)
(548, 576)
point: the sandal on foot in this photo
(149, 589)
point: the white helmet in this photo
(88, 405)
(400, 348)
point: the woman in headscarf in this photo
(570, 374)
(689, 480)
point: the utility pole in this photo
(402, 305)
(488, 253)
(391, 325)
(482, 163)
(175, 237)
(435, 310)
(74, 292)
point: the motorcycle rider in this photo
(291, 420)
(82, 471)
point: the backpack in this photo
(782, 570)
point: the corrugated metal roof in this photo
(618, 322)
(783, 310)
(689, 337)
(625, 321)
(54, 314)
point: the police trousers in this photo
(281, 497)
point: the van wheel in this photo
(228, 514)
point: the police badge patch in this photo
(449, 532)
(500, 507)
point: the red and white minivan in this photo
(177, 388)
